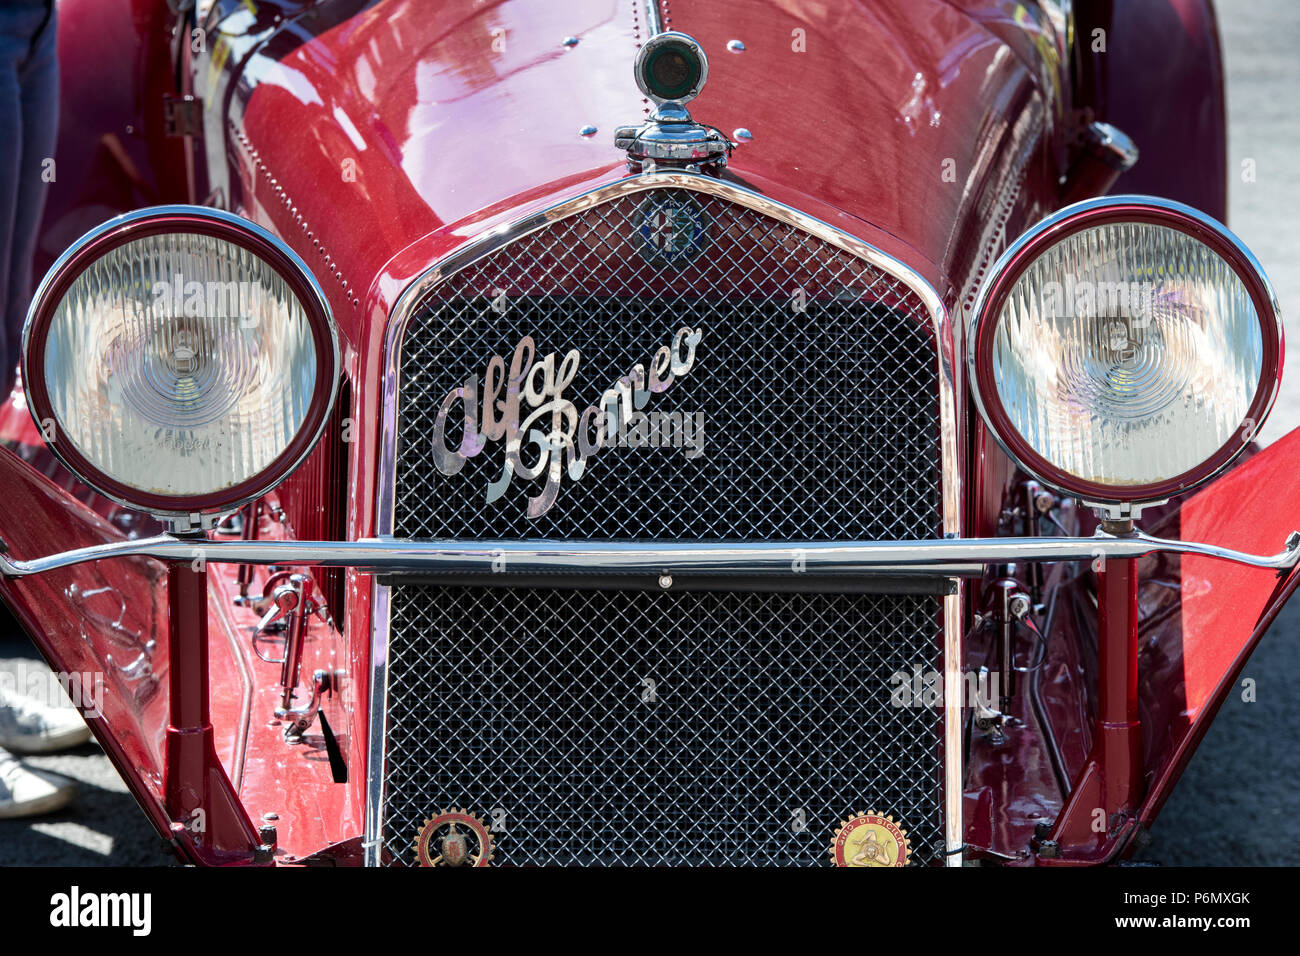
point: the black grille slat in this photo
(820, 425)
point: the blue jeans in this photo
(29, 105)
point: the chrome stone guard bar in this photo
(939, 558)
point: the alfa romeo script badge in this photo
(870, 839)
(545, 434)
(453, 838)
(671, 230)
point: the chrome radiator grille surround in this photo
(648, 728)
(828, 394)
(799, 407)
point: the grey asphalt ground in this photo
(1237, 803)
(103, 826)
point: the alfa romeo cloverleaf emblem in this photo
(671, 230)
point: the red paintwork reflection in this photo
(1199, 620)
(110, 620)
(107, 620)
(412, 117)
(911, 116)
(291, 785)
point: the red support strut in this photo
(208, 821)
(1100, 813)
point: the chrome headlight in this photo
(180, 360)
(1126, 349)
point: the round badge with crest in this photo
(870, 839)
(671, 230)
(453, 838)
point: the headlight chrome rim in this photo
(1082, 216)
(202, 221)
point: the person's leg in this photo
(26, 792)
(28, 122)
(38, 91)
(30, 726)
(13, 51)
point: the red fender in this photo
(1172, 105)
(105, 626)
(1225, 609)
(1198, 620)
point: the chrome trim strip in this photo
(654, 20)
(947, 557)
(950, 373)
(953, 738)
(237, 651)
(372, 845)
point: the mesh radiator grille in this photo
(815, 378)
(535, 702)
(817, 423)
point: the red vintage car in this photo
(647, 431)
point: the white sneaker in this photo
(25, 792)
(28, 726)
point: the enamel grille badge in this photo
(671, 230)
(453, 838)
(870, 839)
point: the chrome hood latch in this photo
(672, 139)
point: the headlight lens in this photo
(185, 360)
(1126, 349)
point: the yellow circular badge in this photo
(870, 839)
